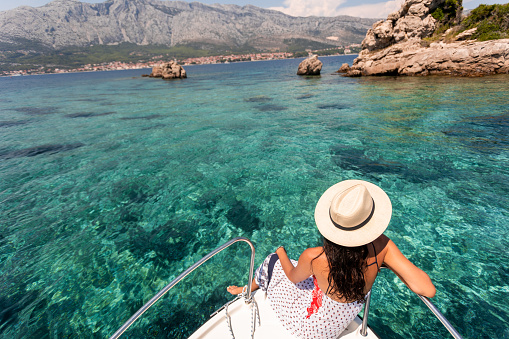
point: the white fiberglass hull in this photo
(241, 320)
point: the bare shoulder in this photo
(312, 252)
(382, 243)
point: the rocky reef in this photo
(310, 66)
(168, 70)
(402, 45)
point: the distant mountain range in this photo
(65, 23)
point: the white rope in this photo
(255, 312)
(255, 315)
(227, 316)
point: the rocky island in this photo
(430, 37)
(310, 66)
(168, 70)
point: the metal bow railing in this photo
(168, 287)
(428, 303)
(364, 326)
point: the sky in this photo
(358, 8)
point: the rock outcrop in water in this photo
(168, 70)
(344, 68)
(310, 66)
(396, 47)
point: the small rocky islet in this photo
(168, 70)
(310, 66)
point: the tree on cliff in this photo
(486, 22)
(491, 21)
(449, 12)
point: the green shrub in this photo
(492, 22)
(448, 12)
(438, 14)
(487, 30)
(489, 36)
(501, 13)
(478, 14)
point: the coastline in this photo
(149, 67)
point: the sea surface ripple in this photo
(112, 184)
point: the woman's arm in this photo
(303, 270)
(415, 278)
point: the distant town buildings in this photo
(117, 65)
(237, 58)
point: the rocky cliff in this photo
(145, 22)
(398, 46)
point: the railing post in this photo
(251, 268)
(441, 317)
(426, 301)
(364, 328)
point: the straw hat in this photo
(353, 213)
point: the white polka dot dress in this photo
(302, 308)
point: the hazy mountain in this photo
(64, 23)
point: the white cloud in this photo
(377, 10)
(310, 8)
(333, 8)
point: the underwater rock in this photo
(153, 127)
(12, 123)
(242, 217)
(305, 96)
(168, 241)
(87, 114)
(36, 110)
(486, 133)
(145, 117)
(258, 98)
(310, 66)
(271, 108)
(353, 158)
(94, 99)
(37, 150)
(332, 106)
(11, 306)
(130, 192)
(168, 70)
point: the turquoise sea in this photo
(112, 184)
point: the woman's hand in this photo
(280, 249)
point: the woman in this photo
(318, 296)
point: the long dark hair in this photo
(347, 266)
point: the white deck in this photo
(270, 327)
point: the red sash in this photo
(317, 299)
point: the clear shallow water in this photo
(112, 184)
